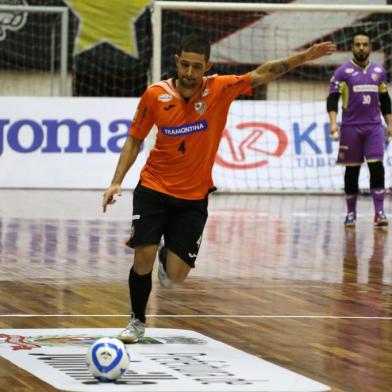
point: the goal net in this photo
(279, 139)
(33, 49)
(69, 47)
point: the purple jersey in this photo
(360, 89)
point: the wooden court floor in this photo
(277, 276)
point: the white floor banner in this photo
(167, 360)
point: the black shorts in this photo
(181, 222)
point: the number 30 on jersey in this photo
(366, 99)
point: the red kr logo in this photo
(248, 149)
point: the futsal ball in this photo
(107, 359)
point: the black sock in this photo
(139, 289)
(163, 256)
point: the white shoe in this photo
(133, 332)
(164, 280)
(350, 220)
(380, 219)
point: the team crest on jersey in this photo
(165, 98)
(200, 107)
(374, 77)
(378, 69)
(349, 70)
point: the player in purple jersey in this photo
(363, 88)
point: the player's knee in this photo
(177, 270)
(177, 277)
(377, 175)
(144, 259)
(351, 177)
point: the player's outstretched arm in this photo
(274, 69)
(128, 156)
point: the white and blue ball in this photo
(107, 359)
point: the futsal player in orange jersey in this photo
(170, 201)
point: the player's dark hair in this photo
(362, 32)
(195, 44)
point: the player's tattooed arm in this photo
(269, 71)
(279, 67)
(274, 69)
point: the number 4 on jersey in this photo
(182, 147)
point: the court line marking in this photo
(206, 316)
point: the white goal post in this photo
(279, 141)
(8, 13)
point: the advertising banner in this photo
(75, 143)
(64, 142)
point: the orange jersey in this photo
(180, 164)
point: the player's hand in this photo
(334, 131)
(319, 50)
(389, 133)
(108, 196)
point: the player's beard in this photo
(187, 83)
(361, 57)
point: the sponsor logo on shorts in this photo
(192, 255)
(185, 129)
(135, 217)
(165, 98)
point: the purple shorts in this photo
(358, 142)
